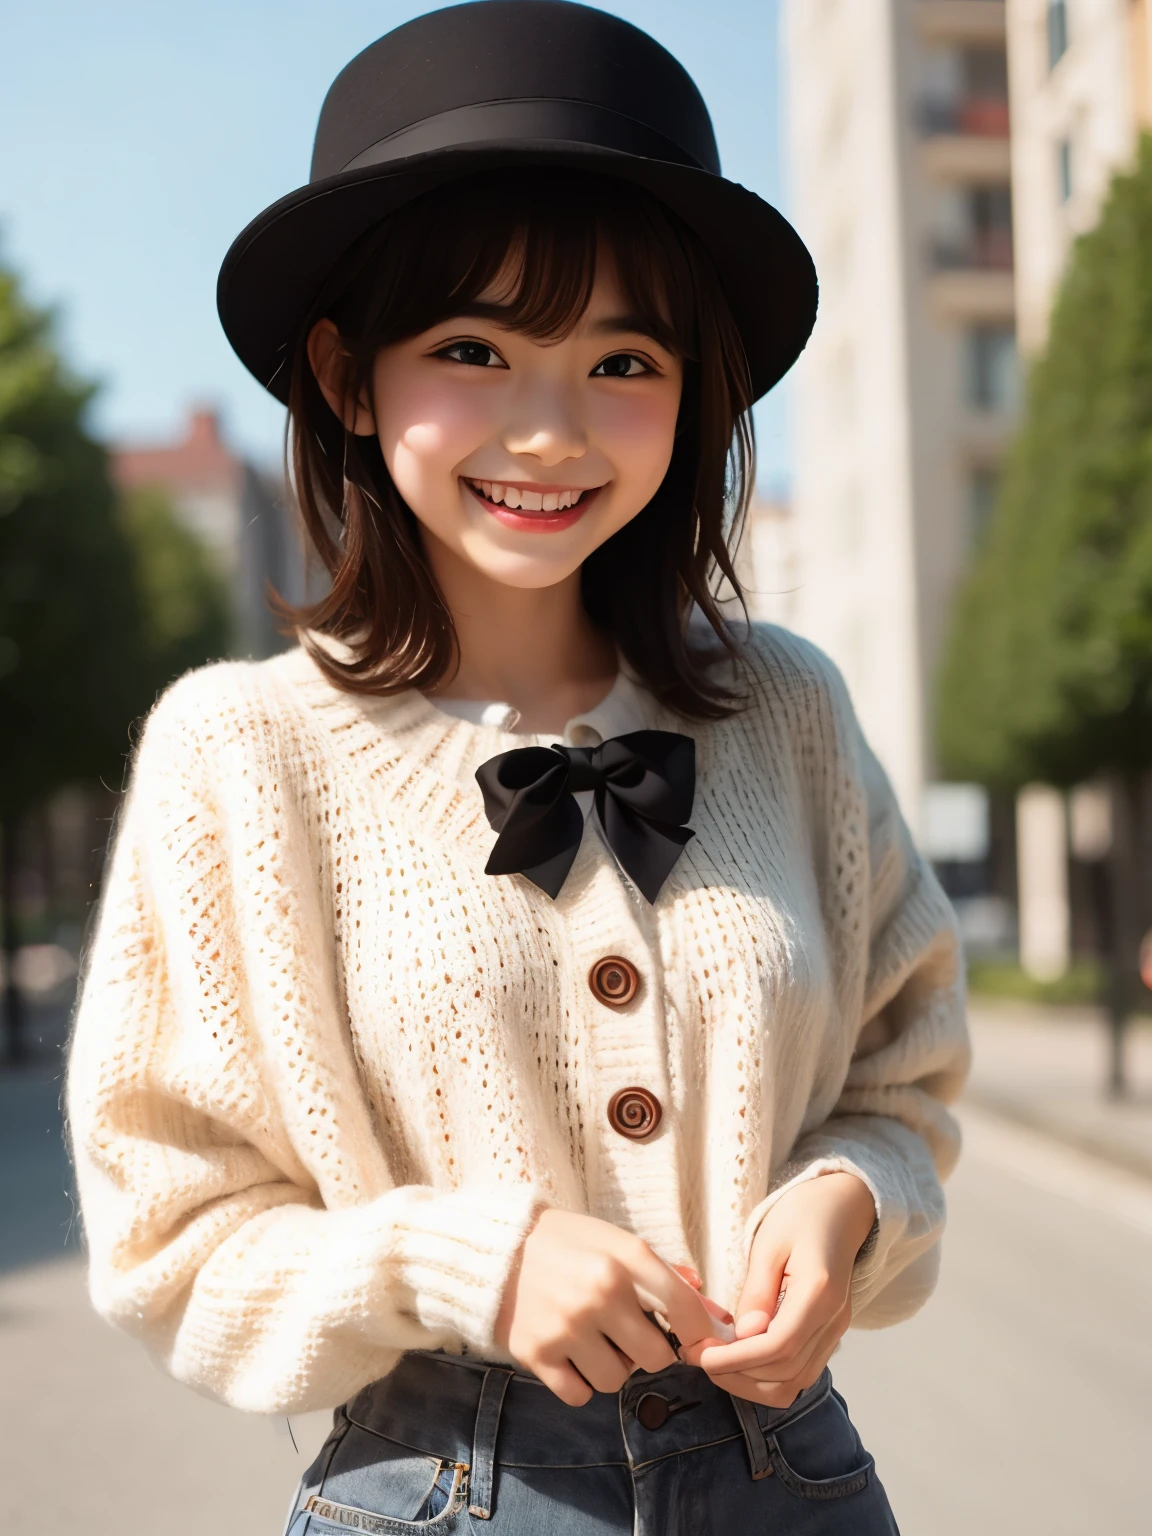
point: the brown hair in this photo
(414, 270)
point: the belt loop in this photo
(492, 1391)
(755, 1440)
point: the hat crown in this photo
(508, 51)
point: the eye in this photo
(621, 365)
(473, 354)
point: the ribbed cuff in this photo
(796, 1174)
(456, 1253)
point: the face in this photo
(521, 457)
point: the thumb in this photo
(763, 1290)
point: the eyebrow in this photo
(610, 325)
(614, 324)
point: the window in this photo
(993, 369)
(1057, 31)
(972, 228)
(965, 91)
(1064, 169)
(990, 213)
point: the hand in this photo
(573, 1310)
(797, 1297)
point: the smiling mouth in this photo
(519, 499)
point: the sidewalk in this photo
(1047, 1068)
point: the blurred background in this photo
(954, 499)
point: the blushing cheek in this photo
(425, 431)
(637, 435)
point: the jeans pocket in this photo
(819, 1455)
(378, 1486)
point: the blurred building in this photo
(768, 562)
(240, 513)
(899, 130)
(1081, 75)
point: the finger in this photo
(760, 1299)
(689, 1275)
(806, 1311)
(564, 1381)
(660, 1289)
(782, 1393)
(721, 1314)
(806, 1368)
(640, 1340)
(795, 1365)
(602, 1365)
(691, 1353)
(748, 1324)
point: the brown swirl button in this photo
(634, 1113)
(614, 981)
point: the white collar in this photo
(623, 708)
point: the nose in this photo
(547, 426)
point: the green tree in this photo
(1049, 671)
(100, 603)
(182, 592)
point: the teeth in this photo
(530, 501)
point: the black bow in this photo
(643, 782)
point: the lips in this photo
(533, 509)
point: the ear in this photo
(333, 369)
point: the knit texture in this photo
(325, 1070)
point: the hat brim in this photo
(275, 267)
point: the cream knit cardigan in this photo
(325, 1070)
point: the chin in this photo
(528, 574)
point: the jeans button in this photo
(652, 1410)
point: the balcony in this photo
(970, 258)
(966, 159)
(965, 140)
(985, 250)
(983, 117)
(972, 296)
(961, 21)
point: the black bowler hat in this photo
(511, 83)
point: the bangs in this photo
(531, 243)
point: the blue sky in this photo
(137, 138)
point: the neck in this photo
(532, 647)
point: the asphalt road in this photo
(1019, 1401)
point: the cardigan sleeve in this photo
(238, 1206)
(890, 1125)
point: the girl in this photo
(494, 990)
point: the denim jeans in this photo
(446, 1445)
